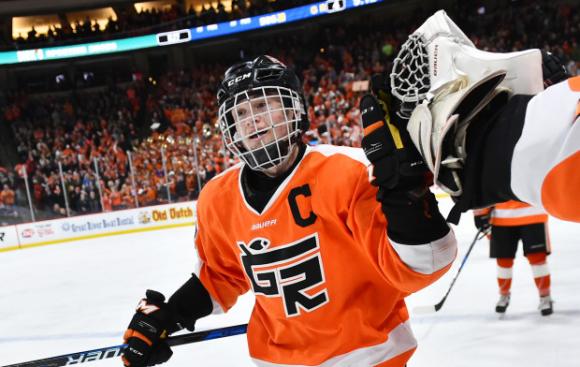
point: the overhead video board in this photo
(184, 35)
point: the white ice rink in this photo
(78, 296)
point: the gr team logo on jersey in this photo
(293, 272)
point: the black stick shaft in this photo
(475, 239)
(117, 350)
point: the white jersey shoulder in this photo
(328, 150)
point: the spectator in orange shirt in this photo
(147, 195)
(7, 201)
(116, 199)
(127, 196)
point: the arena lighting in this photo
(183, 35)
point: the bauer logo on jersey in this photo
(293, 272)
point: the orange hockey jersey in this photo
(329, 284)
(514, 213)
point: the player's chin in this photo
(258, 143)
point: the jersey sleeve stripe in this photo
(430, 257)
(400, 340)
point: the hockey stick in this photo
(117, 350)
(434, 308)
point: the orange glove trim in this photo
(130, 333)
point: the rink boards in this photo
(106, 224)
(97, 225)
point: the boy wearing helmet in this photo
(307, 231)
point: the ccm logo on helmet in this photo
(238, 79)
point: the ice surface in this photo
(81, 295)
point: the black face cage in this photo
(410, 77)
(261, 125)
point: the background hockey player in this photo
(306, 231)
(511, 222)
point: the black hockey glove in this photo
(553, 69)
(397, 165)
(147, 331)
(399, 172)
(482, 221)
(155, 320)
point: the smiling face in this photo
(261, 121)
(261, 125)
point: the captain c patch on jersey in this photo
(292, 271)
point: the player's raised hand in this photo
(397, 165)
(399, 172)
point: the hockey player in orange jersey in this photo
(329, 253)
(511, 222)
(491, 127)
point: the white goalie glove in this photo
(444, 82)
